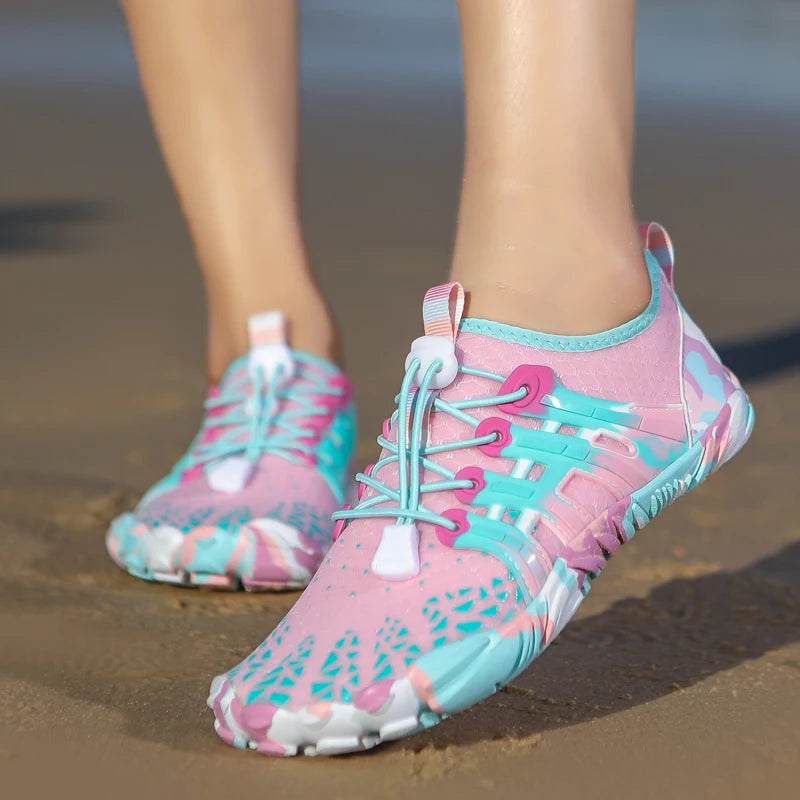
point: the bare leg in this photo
(546, 236)
(221, 82)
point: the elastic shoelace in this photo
(256, 425)
(411, 459)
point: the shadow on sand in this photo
(755, 359)
(641, 649)
(44, 226)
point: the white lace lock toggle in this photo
(231, 475)
(428, 349)
(397, 556)
(269, 350)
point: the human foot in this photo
(249, 504)
(534, 462)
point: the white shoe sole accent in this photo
(159, 548)
(346, 729)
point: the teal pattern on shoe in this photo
(249, 504)
(511, 470)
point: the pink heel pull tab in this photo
(656, 240)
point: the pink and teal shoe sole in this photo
(261, 555)
(459, 674)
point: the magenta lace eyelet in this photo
(445, 535)
(501, 428)
(475, 475)
(319, 422)
(340, 523)
(312, 440)
(362, 487)
(537, 379)
(306, 458)
(342, 383)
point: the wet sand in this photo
(680, 676)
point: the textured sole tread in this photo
(213, 581)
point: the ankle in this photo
(310, 329)
(568, 285)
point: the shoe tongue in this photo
(269, 349)
(268, 361)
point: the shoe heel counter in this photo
(707, 383)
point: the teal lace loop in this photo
(412, 456)
(258, 421)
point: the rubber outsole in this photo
(154, 554)
(462, 673)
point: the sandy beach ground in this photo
(680, 676)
